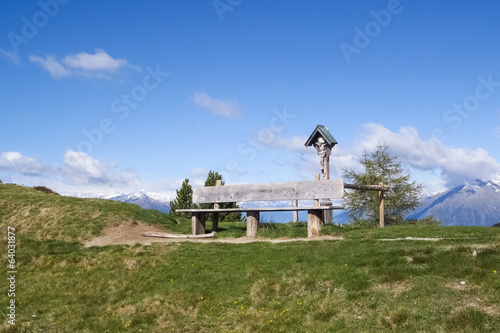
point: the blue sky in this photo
(107, 96)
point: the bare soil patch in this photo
(131, 233)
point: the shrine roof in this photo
(323, 131)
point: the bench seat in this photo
(263, 209)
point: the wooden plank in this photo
(306, 190)
(252, 223)
(176, 236)
(263, 209)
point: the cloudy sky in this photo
(108, 96)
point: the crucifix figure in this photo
(324, 157)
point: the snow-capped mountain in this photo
(142, 198)
(147, 200)
(476, 203)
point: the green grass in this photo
(359, 284)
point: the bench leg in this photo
(198, 223)
(314, 222)
(252, 223)
(215, 222)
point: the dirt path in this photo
(130, 233)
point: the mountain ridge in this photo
(141, 198)
(474, 203)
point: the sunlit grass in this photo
(345, 285)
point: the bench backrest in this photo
(306, 190)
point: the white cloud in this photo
(218, 107)
(54, 67)
(84, 169)
(100, 61)
(197, 173)
(99, 65)
(17, 163)
(274, 140)
(77, 168)
(456, 164)
(80, 173)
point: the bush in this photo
(429, 220)
(390, 221)
(45, 190)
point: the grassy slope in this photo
(43, 216)
(360, 284)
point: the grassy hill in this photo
(359, 284)
(46, 216)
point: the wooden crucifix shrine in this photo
(323, 141)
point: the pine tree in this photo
(183, 200)
(223, 217)
(402, 197)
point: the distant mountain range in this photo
(146, 200)
(142, 198)
(476, 204)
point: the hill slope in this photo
(44, 216)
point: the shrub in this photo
(429, 220)
(45, 190)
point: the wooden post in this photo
(381, 206)
(295, 203)
(314, 218)
(215, 222)
(198, 223)
(252, 223)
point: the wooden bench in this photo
(305, 190)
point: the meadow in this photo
(363, 283)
